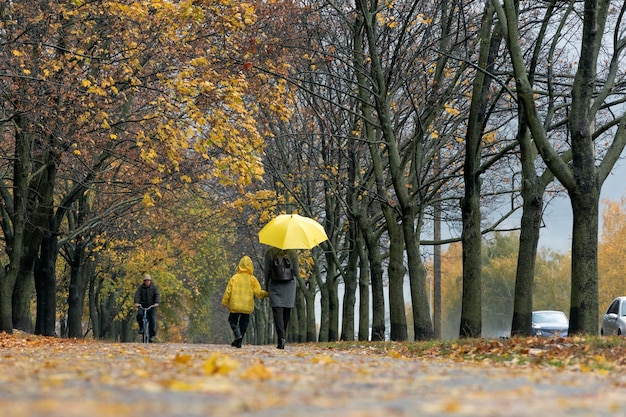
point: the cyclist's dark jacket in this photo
(147, 296)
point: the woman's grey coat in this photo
(282, 293)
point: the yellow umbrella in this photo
(292, 231)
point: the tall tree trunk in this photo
(371, 259)
(76, 293)
(402, 183)
(300, 322)
(80, 271)
(586, 173)
(260, 323)
(7, 281)
(324, 309)
(14, 222)
(108, 311)
(366, 226)
(40, 201)
(23, 292)
(364, 290)
(333, 305)
(584, 294)
(350, 285)
(396, 273)
(311, 328)
(45, 266)
(585, 195)
(533, 188)
(308, 288)
(378, 298)
(528, 241)
(437, 270)
(45, 286)
(422, 322)
(94, 314)
(471, 300)
(471, 305)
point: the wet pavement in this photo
(166, 380)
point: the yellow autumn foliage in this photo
(219, 364)
(256, 371)
(611, 249)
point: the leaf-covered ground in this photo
(518, 377)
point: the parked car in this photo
(548, 323)
(614, 320)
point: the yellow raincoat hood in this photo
(242, 288)
(246, 265)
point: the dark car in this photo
(614, 320)
(549, 323)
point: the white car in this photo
(548, 323)
(614, 320)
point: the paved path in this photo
(165, 380)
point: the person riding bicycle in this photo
(147, 295)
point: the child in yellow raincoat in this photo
(239, 298)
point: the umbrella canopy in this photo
(292, 231)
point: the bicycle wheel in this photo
(146, 329)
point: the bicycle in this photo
(146, 324)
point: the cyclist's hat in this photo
(147, 277)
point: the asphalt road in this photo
(166, 380)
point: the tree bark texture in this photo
(76, 293)
(45, 286)
(471, 315)
(524, 278)
(350, 286)
(395, 273)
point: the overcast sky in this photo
(557, 234)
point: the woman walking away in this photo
(281, 270)
(239, 298)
